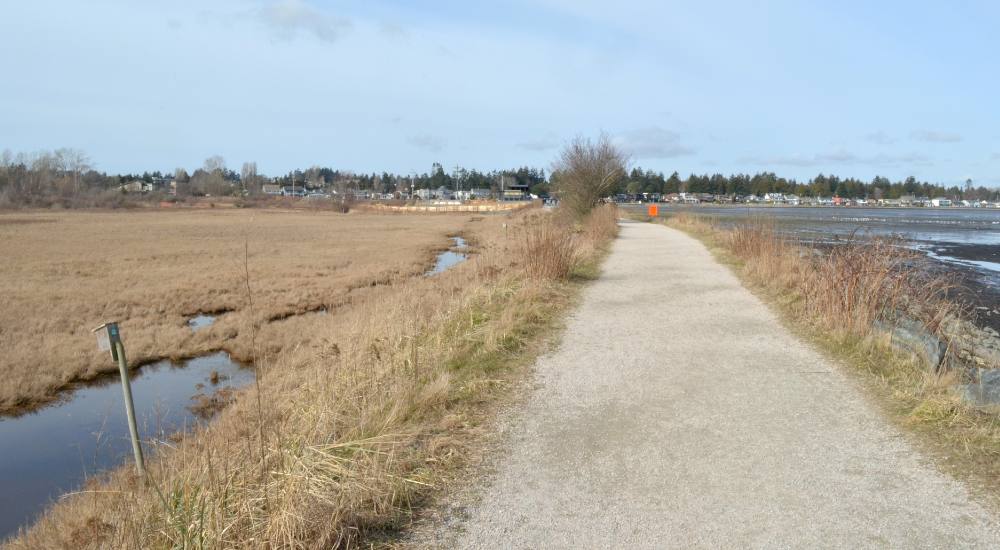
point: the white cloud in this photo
(880, 137)
(653, 142)
(935, 136)
(287, 18)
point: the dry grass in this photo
(851, 288)
(357, 422)
(839, 298)
(65, 273)
(550, 250)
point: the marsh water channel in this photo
(451, 257)
(54, 450)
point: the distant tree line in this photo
(66, 177)
(640, 181)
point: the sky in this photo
(855, 88)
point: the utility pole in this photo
(111, 340)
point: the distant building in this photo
(940, 201)
(514, 191)
(271, 189)
(134, 186)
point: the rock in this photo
(988, 354)
(985, 388)
(910, 336)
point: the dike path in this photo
(677, 412)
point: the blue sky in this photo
(797, 87)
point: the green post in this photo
(130, 409)
(109, 339)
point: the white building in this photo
(940, 201)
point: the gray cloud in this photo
(995, 156)
(427, 142)
(839, 157)
(288, 18)
(880, 137)
(393, 30)
(653, 142)
(934, 136)
(543, 143)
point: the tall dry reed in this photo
(850, 287)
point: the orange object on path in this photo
(653, 210)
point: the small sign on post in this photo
(109, 338)
(653, 210)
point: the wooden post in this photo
(130, 409)
(416, 367)
(111, 340)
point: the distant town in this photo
(67, 178)
(782, 199)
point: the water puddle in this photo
(450, 258)
(52, 451)
(201, 321)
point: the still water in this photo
(54, 450)
(200, 321)
(450, 258)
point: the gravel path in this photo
(677, 412)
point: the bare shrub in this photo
(550, 249)
(587, 172)
(601, 225)
(851, 287)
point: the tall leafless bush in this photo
(588, 171)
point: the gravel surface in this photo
(678, 412)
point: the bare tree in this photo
(211, 178)
(75, 162)
(248, 175)
(182, 182)
(588, 171)
(215, 163)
